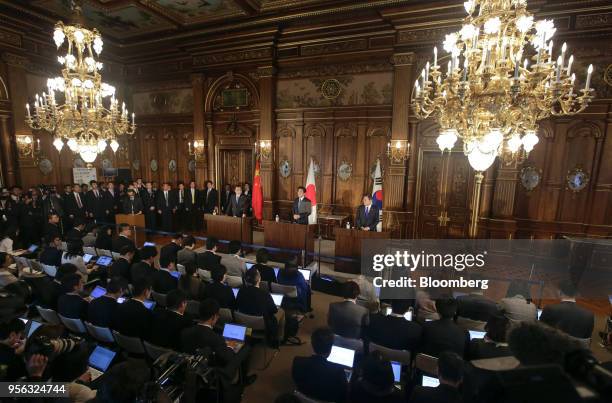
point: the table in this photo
(285, 235)
(229, 228)
(348, 244)
(137, 221)
(328, 222)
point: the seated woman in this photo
(494, 342)
(190, 283)
(9, 237)
(291, 276)
(74, 255)
(104, 240)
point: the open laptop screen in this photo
(278, 299)
(249, 265)
(234, 332)
(101, 358)
(33, 326)
(149, 304)
(397, 371)
(175, 274)
(235, 291)
(104, 261)
(87, 257)
(276, 270)
(342, 356)
(305, 273)
(475, 334)
(98, 292)
(430, 382)
(540, 312)
(148, 244)
(32, 248)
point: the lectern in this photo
(229, 228)
(348, 244)
(135, 220)
(284, 235)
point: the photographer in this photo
(12, 344)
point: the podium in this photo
(229, 228)
(134, 220)
(348, 244)
(284, 235)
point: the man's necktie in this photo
(166, 197)
(367, 210)
(78, 199)
(192, 196)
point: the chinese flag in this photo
(257, 199)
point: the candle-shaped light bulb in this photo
(550, 51)
(449, 68)
(588, 80)
(516, 67)
(525, 64)
(435, 56)
(569, 65)
(563, 50)
(427, 72)
(559, 67)
(465, 69)
(398, 145)
(28, 109)
(133, 117)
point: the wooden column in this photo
(267, 120)
(199, 132)
(7, 143)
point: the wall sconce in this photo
(263, 149)
(397, 151)
(196, 149)
(27, 147)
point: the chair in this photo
(258, 332)
(234, 281)
(353, 344)
(205, 275)
(289, 291)
(305, 399)
(426, 364)
(132, 345)
(115, 255)
(154, 352)
(401, 356)
(225, 315)
(48, 315)
(193, 308)
(105, 252)
(264, 286)
(101, 334)
(470, 324)
(49, 270)
(90, 250)
(180, 268)
(160, 299)
(73, 325)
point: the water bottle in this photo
(277, 218)
(408, 315)
(348, 225)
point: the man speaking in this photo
(367, 215)
(237, 206)
(302, 207)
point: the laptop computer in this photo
(148, 244)
(305, 273)
(99, 361)
(234, 336)
(235, 291)
(540, 312)
(278, 299)
(430, 382)
(397, 371)
(104, 261)
(87, 258)
(276, 270)
(344, 357)
(31, 327)
(249, 265)
(32, 248)
(175, 274)
(475, 334)
(97, 292)
(120, 300)
(149, 304)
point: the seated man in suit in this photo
(346, 318)
(302, 207)
(367, 216)
(450, 374)
(71, 304)
(132, 318)
(49, 290)
(494, 342)
(394, 331)
(252, 300)
(168, 323)
(132, 204)
(187, 256)
(476, 306)
(444, 334)
(121, 267)
(209, 258)
(568, 316)
(218, 290)
(52, 227)
(77, 232)
(123, 238)
(518, 306)
(316, 377)
(145, 268)
(170, 251)
(102, 309)
(163, 280)
(237, 205)
(267, 273)
(233, 262)
(202, 335)
(52, 254)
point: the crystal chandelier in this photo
(87, 121)
(500, 81)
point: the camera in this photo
(50, 347)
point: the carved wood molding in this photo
(285, 130)
(233, 57)
(348, 129)
(331, 70)
(379, 131)
(403, 59)
(314, 130)
(584, 128)
(334, 47)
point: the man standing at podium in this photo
(237, 206)
(367, 215)
(133, 204)
(301, 207)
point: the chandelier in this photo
(87, 121)
(501, 79)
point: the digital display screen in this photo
(87, 257)
(278, 299)
(33, 326)
(397, 371)
(305, 273)
(249, 265)
(104, 261)
(234, 332)
(149, 304)
(475, 334)
(101, 358)
(32, 248)
(342, 356)
(149, 244)
(235, 291)
(539, 313)
(98, 292)
(430, 382)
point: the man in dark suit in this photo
(316, 377)
(450, 374)
(179, 215)
(249, 195)
(52, 228)
(187, 255)
(444, 334)
(209, 258)
(169, 323)
(149, 201)
(394, 331)
(218, 290)
(237, 205)
(71, 304)
(166, 207)
(476, 306)
(102, 309)
(568, 316)
(302, 207)
(225, 197)
(52, 203)
(94, 203)
(210, 198)
(77, 232)
(52, 254)
(132, 204)
(145, 268)
(163, 280)
(123, 239)
(346, 318)
(49, 290)
(132, 318)
(367, 215)
(74, 206)
(267, 273)
(111, 201)
(170, 251)
(121, 267)
(193, 207)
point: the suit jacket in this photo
(207, 260)
(570, 318)
(120, 268)
(347, 319)
(132, 206)
(180, 201)
(394, 332)
(101, 311)
(440, 394)
(319, 379)
(169, 251)
(122, 241)
(140, 270)
(517, 309)
(167, 327)
(95, 205)
(51, 256)
(210, 200)
(53, 203)
(148, 200)
(200, 336)
(267, 273)
(225, 198)
(71, 206)
(193, 205)
(164, 282)
(168, 206)
(222, 293)
(255, 301)
(476, 307)
(111, 201)
(72, 306)
(235, 265)
(370, 220)
(132, 319)
(52, 230)
(186, 257)
(444, 335)
(236, 208)
(303, 209)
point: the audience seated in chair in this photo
(494, 342)
(233, 262)
(121, 267)
(517, 306)
(187, 256)
(291, 276)
(72, 369)
(163, 279)
(267, 272)
(346, 318)
(74, 255)
(6, 277)
(52, 254)
(71, 304)
(393, 330)
(102, 309)
(145, 268)
(12, 343)
(170, 251)
(48, 290)
(450, 375)
(373, 381)
(190, 283)
(476, 306)
(132, 318)
(123, 238)
(568, 316)
(220, 291)
(209, 259)
(316, 377)
(444, 334)
(169, 322)
(104, 240)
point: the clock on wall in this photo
(284, 168)
(577, 179)
(530, 177)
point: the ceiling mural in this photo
(198, 10)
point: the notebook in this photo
(234, 336)
(475, 334)
(104, 261)
(99, 361)
(97, 292)
(430, 382)
(278, 299)
(87, 257)
(305, 273)
(342, 356)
